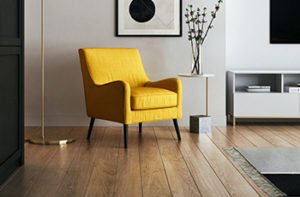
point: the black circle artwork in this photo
(142, 10)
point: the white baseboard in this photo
(79, 120)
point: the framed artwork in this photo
(149, 18)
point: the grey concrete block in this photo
(200, 124)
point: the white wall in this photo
(74, 24)
(247, 39)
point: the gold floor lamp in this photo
(50, 139)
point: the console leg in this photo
(233, 122)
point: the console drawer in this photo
(266, 105)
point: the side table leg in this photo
(233, 121)
(206, 96)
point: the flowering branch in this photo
(197, 30)
(213, 16)
(194, 18)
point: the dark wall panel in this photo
(9, 105)
(9, 18)
(11, 86)
(10, 22)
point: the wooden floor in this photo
(155, 163)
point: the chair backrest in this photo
(105, 65)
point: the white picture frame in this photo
(165, 18)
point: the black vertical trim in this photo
(15, 46)
(21, 82)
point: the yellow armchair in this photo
(117, 89)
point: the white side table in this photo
(206, 76)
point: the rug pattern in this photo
(263, 183)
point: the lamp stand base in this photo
(50, 141)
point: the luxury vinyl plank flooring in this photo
(37, 159)
(154, 178)
(234, 137)
(128, 181)
(103, 177)
(287, 133)
(275, 140)
(205, 177)
(76, 180)
(180, 180)
(50, 179)
(234, 182)
(155, 163)
(220, 140)
(253, 137)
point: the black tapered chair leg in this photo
(125, 135)
(140, 127)
(91, 128)
(177, 129)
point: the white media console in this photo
(278, 103)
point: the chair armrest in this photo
(110, 101)
(172, 84)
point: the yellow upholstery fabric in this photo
(107, 65)
(117, 88)
(152, 98)
(154, 114)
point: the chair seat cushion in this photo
(152, 98)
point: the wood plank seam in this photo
(185, 162)
(244, 134)
(139, 147)
(226, 159)
(93, 160)
(231, 139)
(209, 166)
(183, 184)
(177, 163)
(258, 133)
(238, 168)
(114, 189)
(163, 163)
(117, 161)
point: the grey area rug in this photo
(262, 182)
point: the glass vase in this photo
(197, 60)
